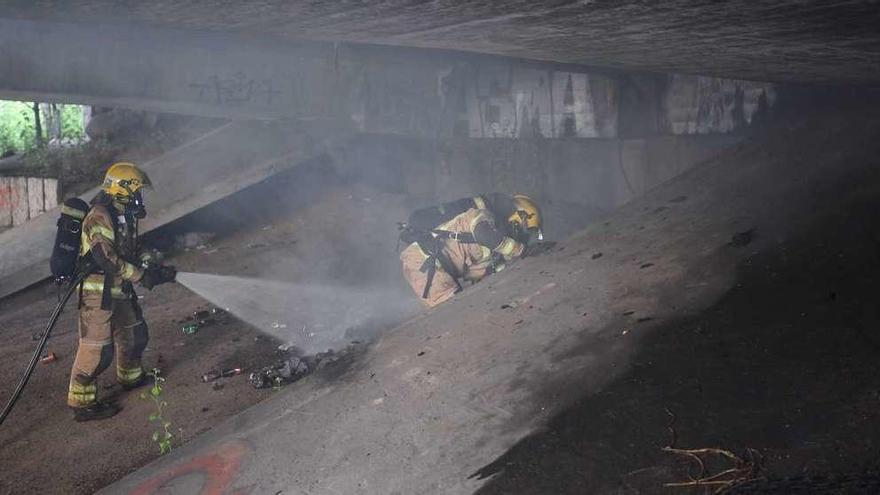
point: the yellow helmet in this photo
(123, 180)
(526, 216)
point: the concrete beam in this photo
(417, 92)
(414, 92)
(165, 70)
(801, 41)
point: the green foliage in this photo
(85, 163)
(162, 436)
(71, 122)
(18, 129)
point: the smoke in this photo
(313, 318)
(310, 255)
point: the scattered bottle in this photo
(48, 358)
(190, 328)
(214, 374)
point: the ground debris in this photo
(284, 371)
(738, 470)
(214, 375)
(292, 366)
(203, 318)
(741, 469)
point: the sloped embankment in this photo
(734, 296)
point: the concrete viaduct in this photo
(447, 393)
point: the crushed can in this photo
(48, 358)
(190, 328)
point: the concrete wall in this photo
(419, 93)
(703, 105)
(23, 198)
(512, 101)
(574, 179)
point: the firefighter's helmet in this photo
(526, 217)
(124, 180)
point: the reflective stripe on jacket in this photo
(99, 239)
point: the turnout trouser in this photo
(100, 331)
(443, 285)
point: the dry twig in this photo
(742, 470)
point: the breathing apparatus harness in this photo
(421, 229)
(431, 243)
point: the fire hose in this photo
(75, 282)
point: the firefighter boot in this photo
(138, 383)
(98, 410)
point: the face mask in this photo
(136, 206)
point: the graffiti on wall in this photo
(496, 100)
(511, 101)
(703, 105)
(237, 89)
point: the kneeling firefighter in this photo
(109, 314)
(465, 239)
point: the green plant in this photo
(72, 121)
(18, 125)
(162, 436)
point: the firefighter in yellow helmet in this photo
(466, 239)
(109, 315)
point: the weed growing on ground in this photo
(162, 436)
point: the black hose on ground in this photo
(30, 368)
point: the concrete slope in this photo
(447, 393)
(186, 178)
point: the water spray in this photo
(311, 317)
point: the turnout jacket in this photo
(112, 240)
(478, 242)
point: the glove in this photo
(156, 275)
